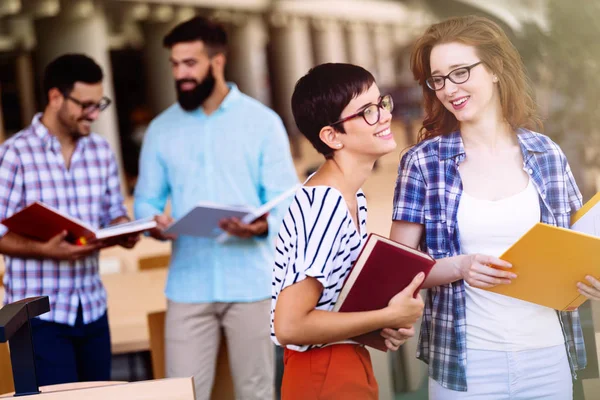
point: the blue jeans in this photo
(65, 353)
(519, 375)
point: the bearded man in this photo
(218, 145)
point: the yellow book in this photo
(549, 261)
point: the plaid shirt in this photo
(32, 168)
(428, 191)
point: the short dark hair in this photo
(64, 71)
(211, 33)
(321, 95)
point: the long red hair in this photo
(497, 53)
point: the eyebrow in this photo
(359, 109)
(173, 61)
(452, 67)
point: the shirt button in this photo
(544, 197)
(530, 171)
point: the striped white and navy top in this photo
(318, 238)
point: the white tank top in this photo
(494, 321)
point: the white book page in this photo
(590, 222)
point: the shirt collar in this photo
(231, 97)
(531, 142)
(49, 141)
(40, 130)
(452, 146)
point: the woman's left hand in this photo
(591, 292)
(394, 338)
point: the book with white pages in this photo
(203, 220)
(587, 218)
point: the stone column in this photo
(291, 54)
(247, 60)
(26, 88)
(360, 46)
(82, 28)
(329, 41)
(161, 86)
(385, 59)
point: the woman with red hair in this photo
(479, 178)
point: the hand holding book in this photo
(589, 289)
(235, 227)
(58, 248)
(162, 223)
(407, 306)
(483, 272)
(394, 338)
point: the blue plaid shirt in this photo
(428, 191)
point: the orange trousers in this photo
(340, 371)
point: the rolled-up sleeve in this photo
(409, 194)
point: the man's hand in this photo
(235, 227)
(126, 241)
(162, 223)
(394, 338)
(58, 248)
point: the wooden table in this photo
(69, 386)
(131, 296)
(161, 389)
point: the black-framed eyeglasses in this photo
(371, 112)
(456, 76)
(90, 107)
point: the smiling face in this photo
(473, 99)
(73, 113)
(362, 139)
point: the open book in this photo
(41, 222)
(383, 269)
(549, 261)
(587, 218)
(203, 219)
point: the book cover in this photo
(203, 219)
(41, 222)
(382, 270)
(549, 261)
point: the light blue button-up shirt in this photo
(238, 155)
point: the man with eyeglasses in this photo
(59, 161)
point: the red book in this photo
(383, 269)
(42, 222)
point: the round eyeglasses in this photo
(371, 113)
(456, 76)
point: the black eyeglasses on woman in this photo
(456, 76)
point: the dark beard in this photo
(74, 133)
(190, 100)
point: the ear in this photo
(331, 137)
(55, 98)
(218, 64)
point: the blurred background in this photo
(272, 44)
